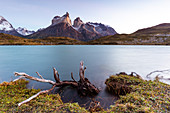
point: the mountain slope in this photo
(156, 35)
(7, 28)
(58, 30)
(158, 29)
(131, 39)
(24, 31)
(6, 39)
(62, 26)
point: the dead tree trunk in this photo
(83, 86)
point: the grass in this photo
(6, 39)
(118, 39)
(143, 97)
(131, 39)
(14, 92)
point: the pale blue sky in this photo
(125, 16)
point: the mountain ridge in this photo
(62, 26)
(24, 31)
(163, 28)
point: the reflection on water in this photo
(69, 94)
(101, 62)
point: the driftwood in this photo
(158, 77)
(132, 74)
(83, 86)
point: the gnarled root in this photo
(84, 86)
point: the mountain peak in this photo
(62, 26)
(1, 17)
(77, 22)
(24, 31)
(64, 19)
(5, 25)
(66, 15)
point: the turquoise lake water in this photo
(101, 62)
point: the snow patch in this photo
(76, 28)
(93, 24)
(24, 31)
(6, 26)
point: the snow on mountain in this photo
(62, 27)
(98, 28)
(24, 31)
(102, 29)
(5, 25)
(95, 25)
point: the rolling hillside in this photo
(131, 39)
(163, 29)
(6, 39)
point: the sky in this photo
(125, 16)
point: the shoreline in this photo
(132, 101)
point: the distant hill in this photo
(156, 35)
(131, 39)
(161, 29)
(6, 39)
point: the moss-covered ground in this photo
(140, 96)
(14, 92)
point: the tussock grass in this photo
(14, 92)
(144, 96)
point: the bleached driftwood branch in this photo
(39, 75)
(34, 78)
(18, 78)
(83, 86)
(34, 96)
(157, 76)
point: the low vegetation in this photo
(6, 39)
(131, 39)
(139, 95)
(14, 92)
(118, 39)
(135, 95)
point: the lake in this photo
(101, 62)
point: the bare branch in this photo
(161, 71)
(57, 79)
(34, 96)
(83, 86)
(84, 71)
(137, 75)
(81, 71)
(157, 76)
(73, 77)
(34, 78)
(18, 78)
(58, 76)
(39, 75)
